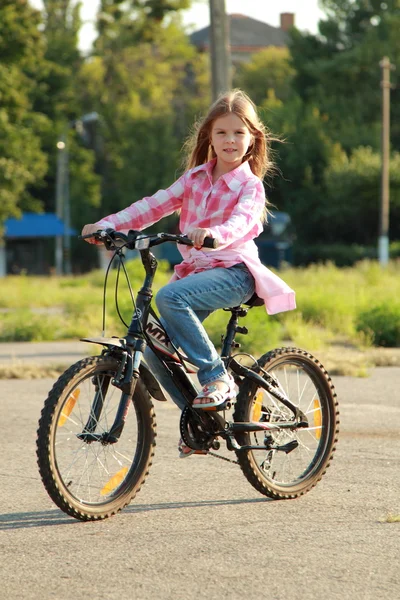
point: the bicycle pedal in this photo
(225, 406)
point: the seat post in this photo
(228, 341)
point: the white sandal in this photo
(216, 396)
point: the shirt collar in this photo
(207, 167)
(233, 179)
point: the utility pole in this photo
(383, 240)
(63, 201)
(219, 48)
(60, 201)
(67, 217)
(3, 261)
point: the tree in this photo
(269, 69)
(359, 178)
(338, 70)
(144, 83)
(158, 9)
(349, 21)
(120, 23)
(302, 159)
(56, 95)
(22, 162)
(62, 23)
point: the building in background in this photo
(29, 243)
(247, 36)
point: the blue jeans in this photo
(183, 306)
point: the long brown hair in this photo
(198, 146)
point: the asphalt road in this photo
(197, 529)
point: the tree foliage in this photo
(22, 162)
(62, 23)
(339, 71)
(322, 96)
(302, 158)
(269, 69)
(150, 86)
(329, 115)
(358, 178)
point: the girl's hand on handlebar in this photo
(88, 230)
(197, 236)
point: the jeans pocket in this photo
(250, 291)
(247, 282)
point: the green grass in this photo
(336, 307)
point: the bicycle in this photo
(97, 430)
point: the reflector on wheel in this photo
(68, 407)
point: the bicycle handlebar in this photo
(136, 240)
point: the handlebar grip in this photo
(210, 242)
(85, 237)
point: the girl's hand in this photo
(197, 236)
(88, 229)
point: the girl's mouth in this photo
(230, 150)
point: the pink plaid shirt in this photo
(231, 209)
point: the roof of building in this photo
(245, 31)
(32, 225)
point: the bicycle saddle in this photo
(254, 301)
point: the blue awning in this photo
(32, 225)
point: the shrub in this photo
(264, 332)
(382, 324)
(25, 326)
(331, 302)
(342, 255)
(394, 249)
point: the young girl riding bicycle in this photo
(220, 195)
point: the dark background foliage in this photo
(322, 96)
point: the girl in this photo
(220, 195)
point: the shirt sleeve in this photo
(246, 215)
(149, 210)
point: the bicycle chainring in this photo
(197, 429)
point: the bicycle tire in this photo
(275, 473)
(91, 480)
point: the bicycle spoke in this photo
(89, 466)
(288, 460)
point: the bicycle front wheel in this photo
(285, 462)
(86, 476)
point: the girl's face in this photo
(230, 139)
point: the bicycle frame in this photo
(145, 330)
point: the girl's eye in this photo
(240, 132)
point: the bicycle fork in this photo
(125, 379)
(130, 356)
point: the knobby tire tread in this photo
(245, 396)
(43, 451)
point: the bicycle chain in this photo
(215, 455)
(187, 441)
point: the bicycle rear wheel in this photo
(288, 462)
(91, 479)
